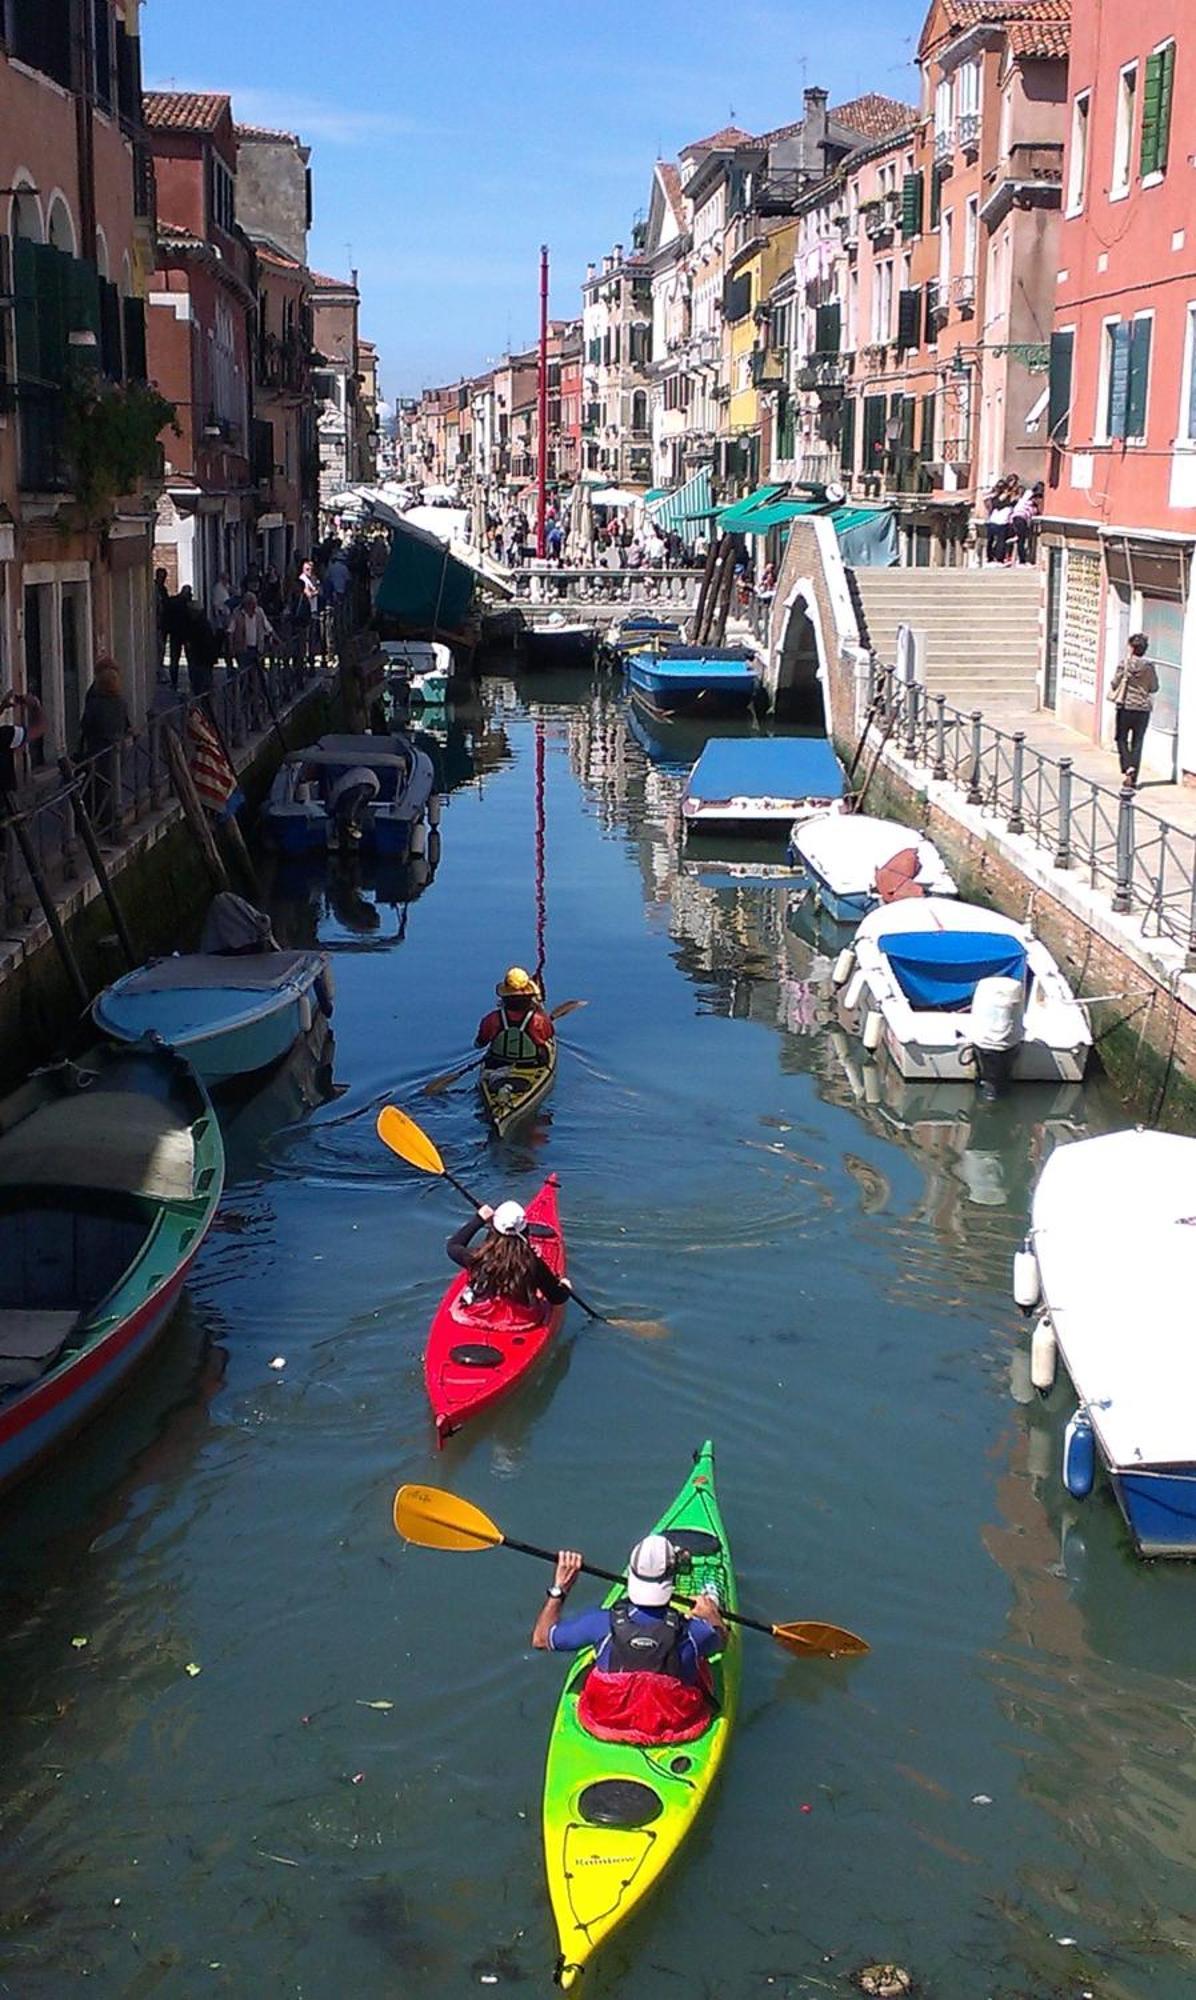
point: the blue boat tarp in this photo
(939, 970)
(657, 672)
(767, 767)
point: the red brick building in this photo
(1121, 499)
(202, 322)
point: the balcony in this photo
(877, 218)
(963, 291)
(967, 131)
(938, 303)
(768, 368)
(779, 194)
(284, 364)
(944, 145)
(825, 373)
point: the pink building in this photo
(1121, 498)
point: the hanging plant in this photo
(111, 433)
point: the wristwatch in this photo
(554, 1590)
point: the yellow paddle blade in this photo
(408, 1140)
(640, 1329)
(812, 1635)
(433, 1519)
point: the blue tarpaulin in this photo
(940, 969)
(767, 767)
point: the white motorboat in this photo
(856, 862)
(952, 991)
(1112, 1257)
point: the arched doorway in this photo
(798, 695)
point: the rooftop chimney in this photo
(813, 136)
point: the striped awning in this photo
(735, 518)
(679, 510)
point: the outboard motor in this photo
(997, 1024)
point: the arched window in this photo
(60, 229)
(102, 254)
(25, 213)
(639, 411)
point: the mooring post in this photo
(939, 769)
(1063, 847)
(1123, 893)
(1016, 823)
(975, 794)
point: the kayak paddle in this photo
(451, 1076)
(433, 1519)
(411, 1143)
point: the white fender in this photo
(418, 846)
(843, 966)
(874, 1027)
(306, 1015)
(1044, 1356)
(435, 808)
(1027, 1286)
(851, 999)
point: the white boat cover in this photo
(1114, 1231)
(846, 849)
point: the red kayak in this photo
(476, 1353)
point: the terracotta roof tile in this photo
(670, 181)
(185, 110)
(729, 135)
(873, 115)
(324, 283)
(961, 14)
(1040, 38)
(264, 132)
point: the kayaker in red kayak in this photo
(517, 1030)
(507, 1265)
(649, 1682)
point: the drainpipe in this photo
(84, 129)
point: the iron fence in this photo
(1105, 836)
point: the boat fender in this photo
(306, 1013)
(874, 1026)
(843, 966)
(1079, 1456)
(418, 845)
(1044, 1356)
(1027, 1287)
(435, 808)
(851, 999)
(325, 990)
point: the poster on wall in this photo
(1079, 644)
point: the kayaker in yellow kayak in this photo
(507, 1265)
(649, 1682)
(517, 1030)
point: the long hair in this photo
(506, 1267)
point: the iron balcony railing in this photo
(1106, 837)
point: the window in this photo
(1059, 401)
(1157, 89)
(1187, 414)
(1123, 137)
(1077, 166)
(882, 303)
(102, 51)
(1126, 378)
(971, 234)
(946, 235)
(222, 193)
(943, 107)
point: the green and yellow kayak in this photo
(614, 1813)
(516, 1090)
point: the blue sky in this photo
(450, 140)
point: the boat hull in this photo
(513, 1093)
(665, 695)
(505, 1343)
(251, 1038)
(598, 1873)
(1159, 1505)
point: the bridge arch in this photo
(799, 688)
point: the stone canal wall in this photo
(1141, 988)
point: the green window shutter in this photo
(875, 410)
(928, 438)
(1166, 92)
(1119, 379)
(28, 324)
(135, 355)
(847, 441)
(1059, 402)
(1138, 387)
(908, 413)
(909, 319)
(936, 198)
(827, 329)
(1151, 95)
(911, 205)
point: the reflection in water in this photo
(344, 1799)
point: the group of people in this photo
(611, 544)
(267, 613)
(1012, 510)
(649, 1682)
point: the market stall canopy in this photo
(424, 587)
(614, 496)
(732, 518)
(692, 502)
(867, 535)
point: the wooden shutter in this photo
(1157, 92)
(909, 409)
(111, 331)
(911, 205)
(1059, 401)
(928, 419)
(874, 431)
(135, 356)
(1119, 378)
(847, 441)
(1138, 385)
(936, 198)
(827, 328)
(909, 318)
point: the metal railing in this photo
(596, 584)
(1104, 836)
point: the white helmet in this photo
(650, 1571)
(510, 1219)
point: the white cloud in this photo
(336, 124)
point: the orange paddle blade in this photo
(408, 1140)
(433, 1519)
(812, 1635)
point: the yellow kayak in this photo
(515, 1090)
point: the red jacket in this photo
(536, 1024)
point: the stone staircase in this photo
(982, 626)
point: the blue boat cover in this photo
(689, 673)
(767, 767)
(939, 970)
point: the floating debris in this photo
(885, 1982)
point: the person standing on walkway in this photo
(104, 726)
(1134, 687)
(1026, 510)
(251, 632)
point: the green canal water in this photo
(344, 1799)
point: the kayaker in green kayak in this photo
(649, 1682)
(517, 1030)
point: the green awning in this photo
(655, 493)
(734, 517)
(424, 588)
(692, 502)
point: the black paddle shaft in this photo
(610, 1576)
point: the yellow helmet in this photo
(516, 984)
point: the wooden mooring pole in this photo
(20, 834)
(87, 835)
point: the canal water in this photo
(253, 1744)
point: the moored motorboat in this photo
(376, 791)
(748, 783)
(1113, 1243)
(230, 1014)
(110, 1172)
(616, 1814)
(951, 991)
(556, 644)
(642, 629)
(693, 680)
(511, 1091)
(856, 862)
(478, 1351)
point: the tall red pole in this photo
(542, 455)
